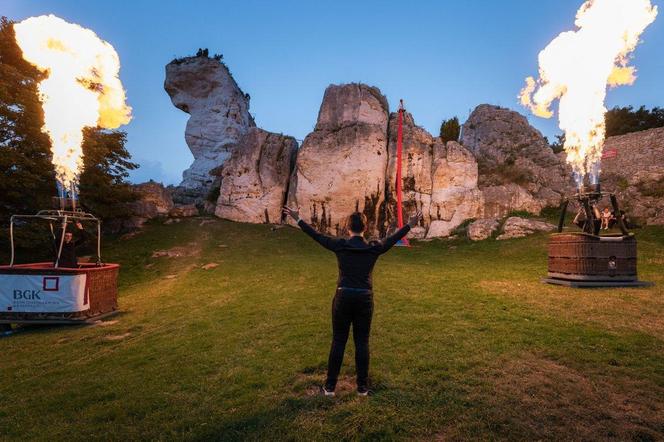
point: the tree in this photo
(622, 120)
(103, 188)
(450, 130)
(558, 145)
(27, 177)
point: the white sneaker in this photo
(325, 392)
(363, 391)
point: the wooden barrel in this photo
(584, 257)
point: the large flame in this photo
(578, 66)
(82, 88)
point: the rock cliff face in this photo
(153, 201)
(516, 227)
(633, 167)
(219, 115)
(254, 180)
(438, 179)
(341, 164)
(455, 197)
(348, 162)
(518, 170)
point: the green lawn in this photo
(466, 344)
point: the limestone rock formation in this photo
(437, 178)
(500, 200)
(183, 211)
(516, 227)
(510, 151)
(254, 180)
(219, 115)
(633, 167)
(455, 197)
(153, 200)
(341, 165)
(482, 229)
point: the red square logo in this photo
(51, 283)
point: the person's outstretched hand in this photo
(293, 213)
(413, 220)
(79, 226)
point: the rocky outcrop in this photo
(438, 179)
(633, 167)
(183, 211)
(455, 196)
(341, 165)
(516, 227)
(514, 160)
(482, 229)
(219, 116)
(500, 201)
(153, 200)
(254, 180)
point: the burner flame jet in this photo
(81, 88)
(578, 66)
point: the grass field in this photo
(466, 344)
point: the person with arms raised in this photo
(353, 300)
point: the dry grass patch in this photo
(620, 308)
(308, 383)
(178, 252)
(543, 398)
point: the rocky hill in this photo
(341, 164)
(219, 116)
(633, 167)
(517, 168)
(348, 162)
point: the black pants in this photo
(356, 308)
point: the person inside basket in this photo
(69, 257)
(353, 299)
(606, 218)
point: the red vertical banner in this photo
(404, 241)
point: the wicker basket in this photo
(102, 292)
(584, 257)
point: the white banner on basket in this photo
(43, 293)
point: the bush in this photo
(509, 173)
(450, 130)
(558, 145)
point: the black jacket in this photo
(355, 256)
(69, 257)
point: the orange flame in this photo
(577, 66)
(82, 88)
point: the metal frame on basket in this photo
(585, 200)
(62, 217)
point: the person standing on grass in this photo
(353, 300)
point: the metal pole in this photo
(11, 239)
(563, 212)
(589, 225)
(404, 241)
(62, 241)
(618, 213)
(98, 243)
